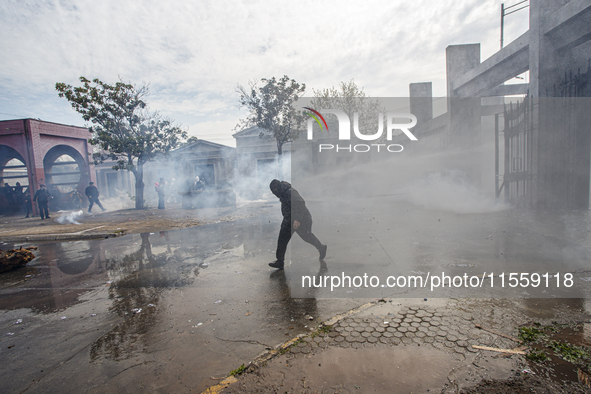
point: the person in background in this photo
(199, 185)
(93, 196)
(27, 203)
(42, 197)
(9, 193)
(160, 189)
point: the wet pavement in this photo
(176, 311)
(166, 312)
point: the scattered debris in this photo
(584, 377)
(495, 349)
(10, 333)
(19, 321)
(218, 301)
(136, 310)
(248, 314)
(93, 314)
(14, 258)
(63, 317)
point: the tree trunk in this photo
(139, 186)
(279, 160)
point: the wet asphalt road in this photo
(174, 311)
(162, 312)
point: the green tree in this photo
(122, 126)
(349, 98)
(270, 108)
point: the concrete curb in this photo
(282, 348)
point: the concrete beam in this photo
(503, 65)
(507, 90)
(570, 25)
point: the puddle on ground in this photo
(567, 350)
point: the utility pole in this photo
(504, 13)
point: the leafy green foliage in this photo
(271, 108)
(530, 334)
(536, 356)
(122, 126)
(349, 98)
(237, 371)
(571, 353)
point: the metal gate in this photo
(517, 177)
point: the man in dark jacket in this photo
(42, 197)
(93, 194)
(296, 217)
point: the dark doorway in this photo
(206, 174)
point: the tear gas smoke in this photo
(69, 217)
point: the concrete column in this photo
(463, 112)
(459, 59)
(421, 102)
(464, 132)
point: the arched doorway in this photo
(66, 176)
(14, 180)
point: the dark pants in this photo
(94, 200)
(29, 208)
(43, 209)
(305, 233)
(160, 201)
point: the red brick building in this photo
(33, 152)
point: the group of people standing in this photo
(19, 199)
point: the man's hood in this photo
(279, 187)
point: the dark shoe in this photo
(103, 209)
(47, 217)
(323, 252)
(277, 264)
(42, 218)
(26, 217)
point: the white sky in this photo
(194, 53)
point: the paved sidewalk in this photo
(404, 346)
